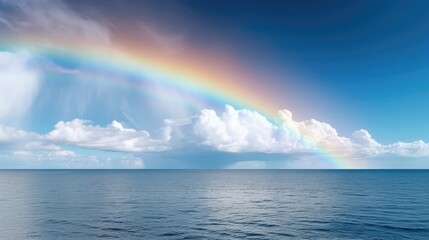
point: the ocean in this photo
(214, 204)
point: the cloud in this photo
(169, 43)
(13, 135)
(22, 144)
(240, 133)
(306, 162)
(51, 20)
(413, 149)
(248, 165)
(22, 149)
(248, 131)
(19, 85)
(5, 22)
(365, 144)
(53, 155)
(138, 163)
(67, 159)
(243, 131)
(113, 137)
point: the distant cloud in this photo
(113, 137)
(13, 135)
(413, 149)
(232, 132)
(53, 155)
(19, 85)
(248, 165)
(19, 148)
(248, 131)
(22, 145)
(67, 159)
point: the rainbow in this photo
(113, 63)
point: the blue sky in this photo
(353, 73)
(370, 56)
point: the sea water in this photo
(214, 204)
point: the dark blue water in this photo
(199, 204)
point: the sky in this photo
(214, 84)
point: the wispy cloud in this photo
(52, 20)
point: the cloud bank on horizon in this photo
(58, 112)
(232, 131)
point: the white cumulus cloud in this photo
(248, 131)
(243, 131)
(233, 130)
(413, 149)
(13, 135)
(113, 137)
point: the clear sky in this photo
(214, 84)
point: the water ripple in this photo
(214, 205)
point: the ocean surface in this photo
(214, 204)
